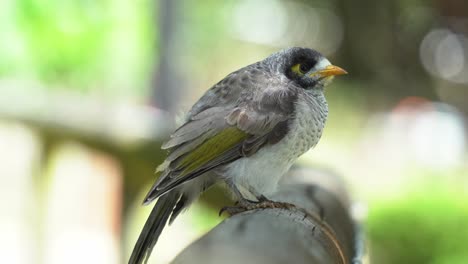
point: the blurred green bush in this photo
(429, 227)
(77, 44)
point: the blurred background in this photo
(90, 89)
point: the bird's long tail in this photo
(153, 227)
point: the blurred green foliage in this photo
(78, 44)
(65, 38)
(429, 226)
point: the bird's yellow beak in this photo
(330, 70)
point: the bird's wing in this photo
(235, 118)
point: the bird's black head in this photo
(306, 67)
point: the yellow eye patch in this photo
(297, 69)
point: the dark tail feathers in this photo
(153, 227)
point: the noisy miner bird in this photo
(247, 130)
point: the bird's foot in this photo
(248, 205)
(232, 210)
(238, 207)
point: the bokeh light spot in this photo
(444, 55)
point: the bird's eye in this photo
(305, 67)
(301, 68)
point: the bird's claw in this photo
(262, 204)
(232, 210)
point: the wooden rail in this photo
(319, 230)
